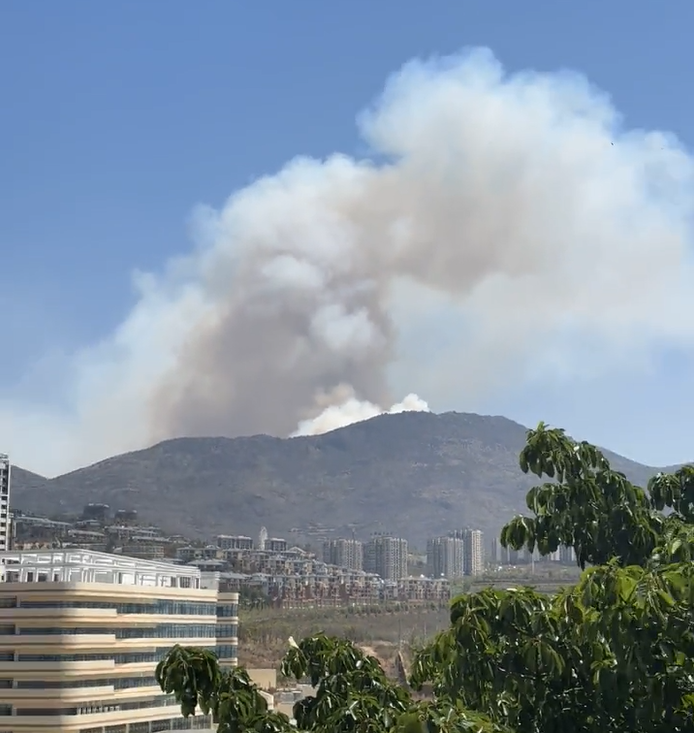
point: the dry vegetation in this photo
(263, 634)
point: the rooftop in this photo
(88, 566)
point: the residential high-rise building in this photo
(567, 555)
(5, 521)
(81, 633)
(446, 557)
(473, 550)
(386, 556)
(345, 553)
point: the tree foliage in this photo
(613, 654)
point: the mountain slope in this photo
(417, 474)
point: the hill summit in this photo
(416, 474)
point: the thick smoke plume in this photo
(505, 227)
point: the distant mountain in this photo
(416, 474)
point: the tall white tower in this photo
(262, 538)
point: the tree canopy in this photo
(614, 653)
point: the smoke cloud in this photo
(342, 408)
(506, 227)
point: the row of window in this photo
(159, 606)
(162, 631)
(91, 708)
(128, 658)
(228, 610)
(227, 651)
(194, 722)
(169, 631)
(226, 631)
(118, 683)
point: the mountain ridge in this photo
(418, 474)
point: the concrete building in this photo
(344, 553)
(234, 542)
(567, 555)
(5, 521)
(473, 550)
(386, 556)
(81, 633)
(276, 544)
(446, 558)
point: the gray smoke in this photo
(506, 225)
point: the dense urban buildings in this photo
(507, 556)
(458, 554)
(81, 633)
(386, 556)
(473, 550)
(234, 542)
(445, 557)
(344, 553)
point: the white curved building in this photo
(81, 633)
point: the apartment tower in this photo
(81, 633)
(344, 553)
(446, 557)
(473, 550)
(386, 556)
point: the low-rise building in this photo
(234, 542)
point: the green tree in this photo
(596, 510)
(351, 693)
(613, 654)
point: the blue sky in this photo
(119, 118)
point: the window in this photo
(127, 658)
(169, 631)
(159, 606)
(118, 683)
(228, 610)
(139, 728)
(224, 631)
(227, 651)
(194, 722)
(37, 631)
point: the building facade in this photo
(5, 521)
(234, 542)
(344, 553)
(276, 544)
(81, 634)
(473, 550)
(446, 558)
(386, 556)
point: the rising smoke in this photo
(505, 226)
(342, 407)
